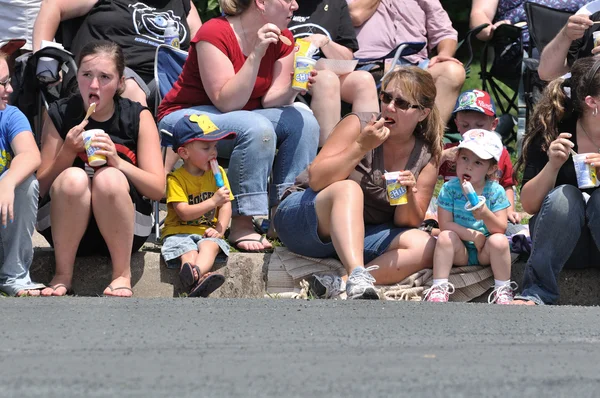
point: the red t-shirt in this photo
(503, 174)
(188, 91)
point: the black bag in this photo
(508, 52)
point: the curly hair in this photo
(418, 86)
(555, 105)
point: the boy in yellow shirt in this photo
(199, 210)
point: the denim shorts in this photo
(296, 225)
(174, 246)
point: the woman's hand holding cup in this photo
(106, 147)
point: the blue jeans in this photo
(565, 234)
(293, 132)
(16, 246)
(296, 224)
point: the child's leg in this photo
(449, 250)
(496, 252)
(207, 252)
(189, 257)
(208, 282)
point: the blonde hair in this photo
(234, 7)
(555, 105)
(418, 85)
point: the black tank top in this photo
(123, 127)
(138, 27)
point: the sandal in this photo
(187, 276)
(207, 284)
(112, 289)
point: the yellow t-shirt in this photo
(185, 187)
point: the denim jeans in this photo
(16, 246)
(296, 224)
(565, 234)
(293, 132)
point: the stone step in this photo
(246, 276)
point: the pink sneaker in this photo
(503, 294)
(439, 293)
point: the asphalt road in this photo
(97, 347)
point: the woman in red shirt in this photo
(239, 72)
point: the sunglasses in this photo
(399, 103)
(5, 82)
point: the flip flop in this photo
(187, 277)
(112, 289)
(207, 284)
(261, 240)
(58, 286)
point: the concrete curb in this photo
(246, 276)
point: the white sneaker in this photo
(360, 284)
(328, 286)
(503, 294)
(439, 293)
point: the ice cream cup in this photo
(302, 69)
(396, 192)
(586, 173)
(93, 159)
(596, 37)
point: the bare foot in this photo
(28, 293)
(59, 286)
(120, 287)
(243, 237)
(522, 302)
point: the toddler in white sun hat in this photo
(473, 235)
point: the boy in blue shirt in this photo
(473, 236)
(19, 158)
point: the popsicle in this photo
(214, 165)
(471, 194)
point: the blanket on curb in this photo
(288, 273)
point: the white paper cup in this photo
(93, 159)
(586, 174)
(596, 38)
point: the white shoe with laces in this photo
(503, 294)
(328, 286)
(360, 284)
(438, 293)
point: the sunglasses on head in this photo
(399, 103)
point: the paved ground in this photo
(97, 347)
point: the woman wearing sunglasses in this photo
(339, 206)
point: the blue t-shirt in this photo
(12, 122)
(452, 199)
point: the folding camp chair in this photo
(40, 83)
(544, 24)
(376, 66)
(516, 66)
